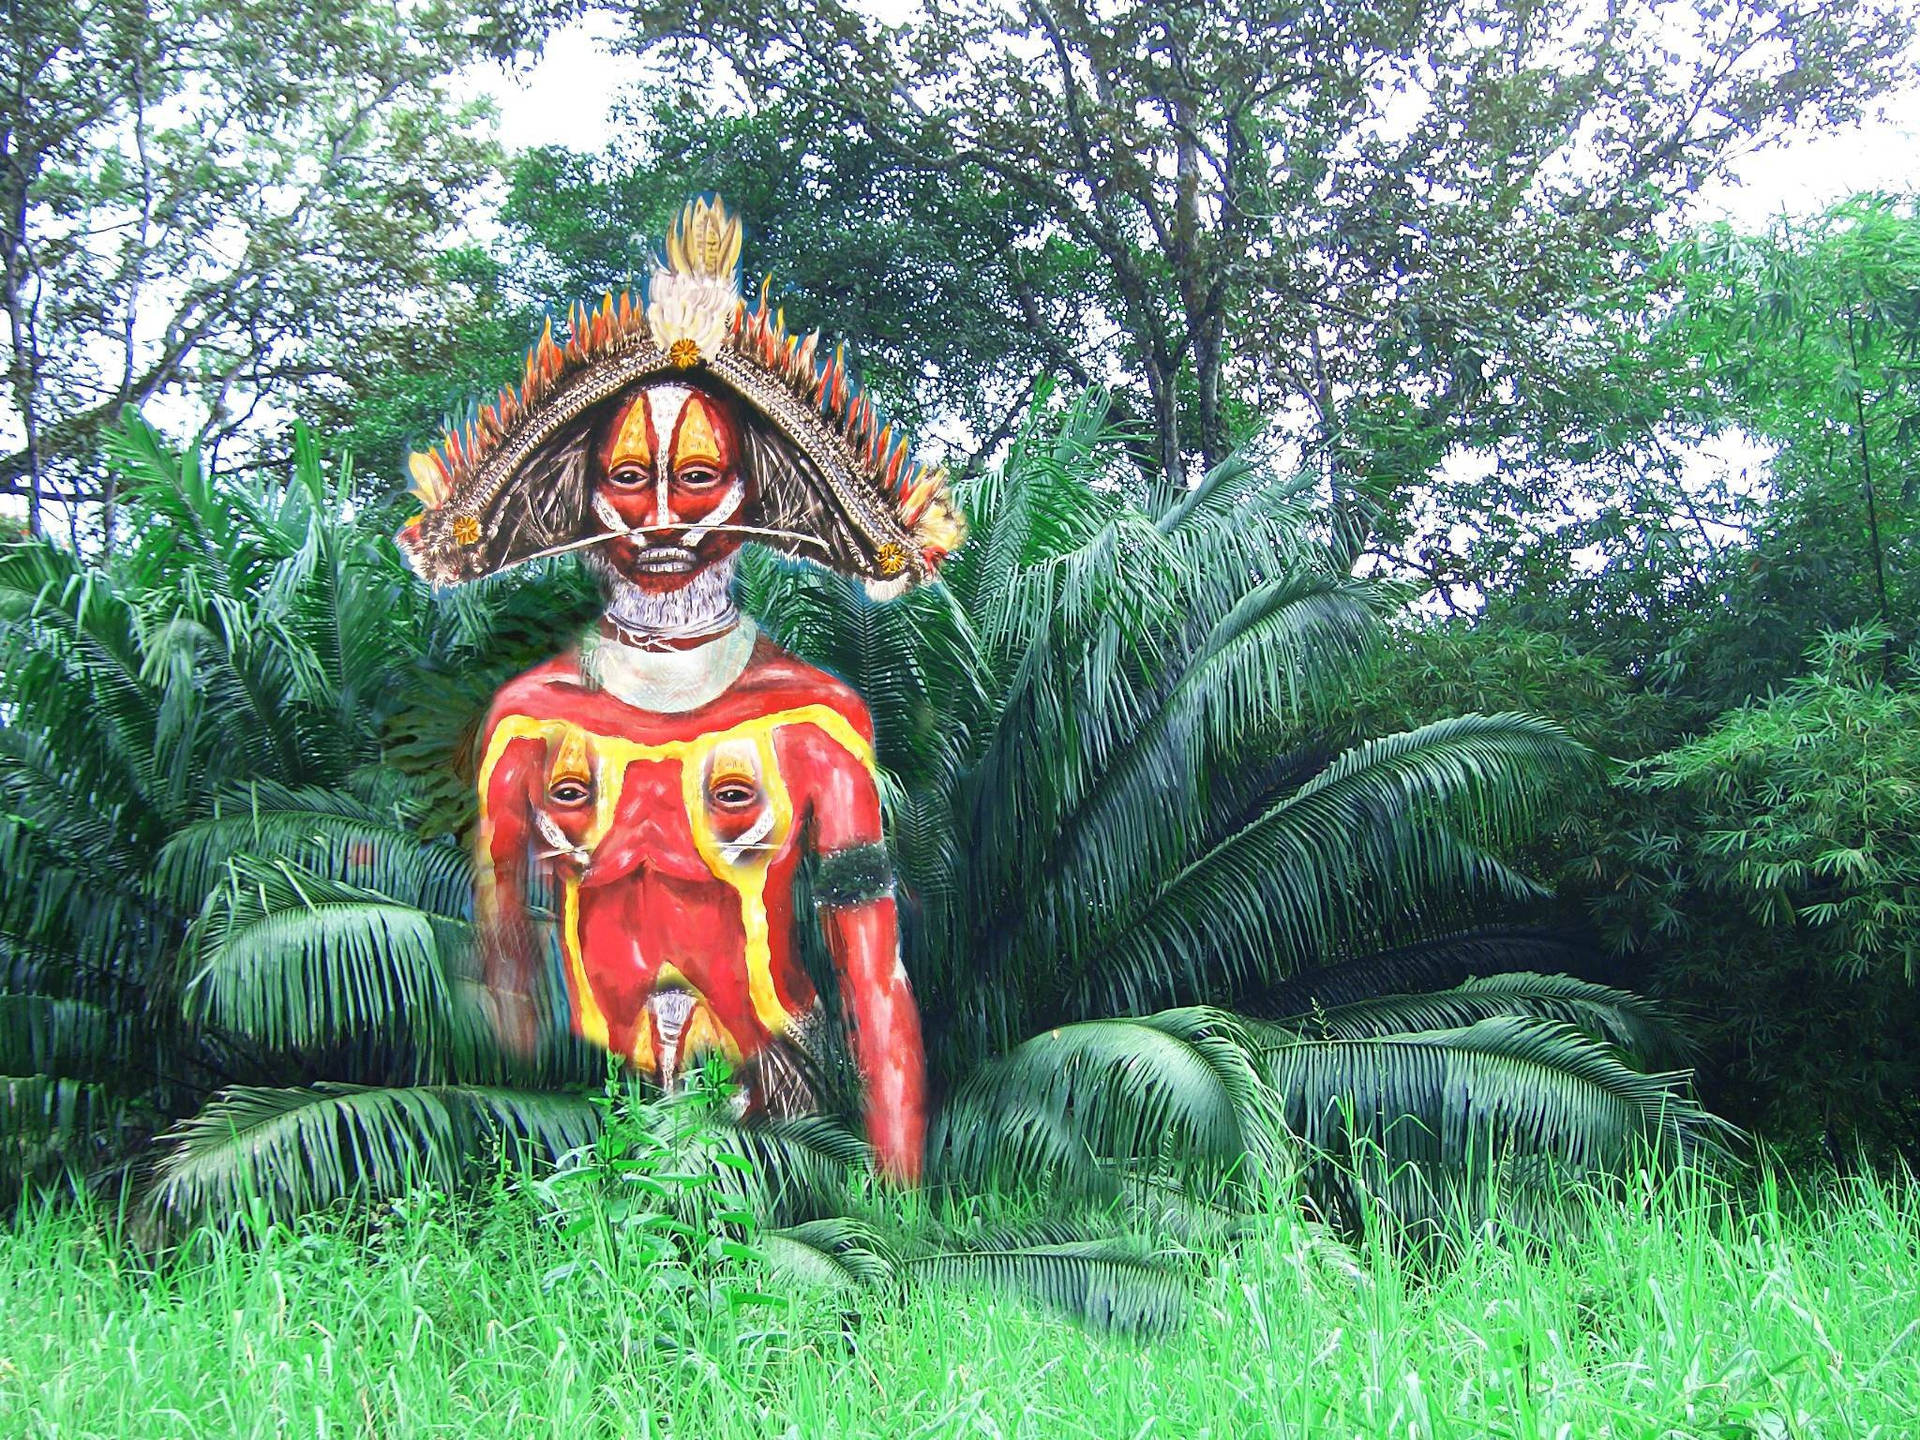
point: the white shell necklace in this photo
(668, 681)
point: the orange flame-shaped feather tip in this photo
(926, 486)
(429, 480)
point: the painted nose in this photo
(662, 498)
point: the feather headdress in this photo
(836, 482)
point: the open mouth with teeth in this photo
(664, 559)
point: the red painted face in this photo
(670, 460)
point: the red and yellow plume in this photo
(591, 335)
(893, 520)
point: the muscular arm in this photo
(862, 932)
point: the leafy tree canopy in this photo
(234, 205)
(1400, 229)
(937, 278)
(1709, 587)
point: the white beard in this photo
(703, 606)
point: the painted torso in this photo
(671, 839)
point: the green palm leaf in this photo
(1104, 1283)
(295, 959)
(1071, 1107)
(301, 1148)
(798, 1167)
(40, 1034)
(1635, 1027)
(836, 1253)
(1439, 1107)
(1273, 896)
(1438, 963)
(332, 832)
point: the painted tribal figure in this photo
(663, 782)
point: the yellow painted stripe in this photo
(748, 878)
(592, 1021)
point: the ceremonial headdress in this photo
(836, 482)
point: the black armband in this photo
(853, 877)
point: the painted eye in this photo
(628, 477)
(570, 792)
(699, 478)
(733, 794)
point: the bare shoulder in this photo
(535, 692)
(792, 683)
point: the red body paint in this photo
(672, 841)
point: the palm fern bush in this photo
(1171, 949)
(218, 920)
(1163, 936)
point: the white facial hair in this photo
(703, 606)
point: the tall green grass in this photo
(1679, 1310)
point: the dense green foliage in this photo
(1228, 879)
(1107, 795)
(1711, 627)
(1774, 863)
(210, 884)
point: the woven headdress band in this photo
(836, 484)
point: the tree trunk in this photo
(1209, 357)
(23, 374)
(1162, 382)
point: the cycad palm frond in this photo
(293, 959)
(331, 831)
(44, 1035)
(1441, 1109)
(45, 1119)
(835, 1252)
(798, 1168)
(1436, 963)
(1108, 1284)
(1633, 1026)
(302, 1148)
(1075, 1108)
(1132, 814)
(1270, 898)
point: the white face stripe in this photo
(557, 842)
(736, 493)
(609, 517)
(750, 838)
(664, 404)
(550, 832)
